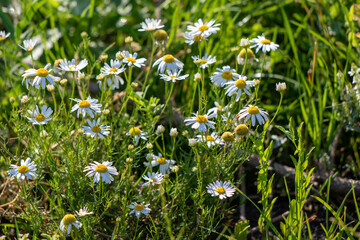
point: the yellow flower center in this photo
(113, 70)
(203, 61)
(227, 75)
(153, 180)
(101, 168)
(72, 68)
(230, 121)
(161, 161)
(139, 207)
(219, 107)
(198, 38)
(168, 58)
(84, 104)
(23, 169)
(68, 219)
(210, 138)
(134, 131)
(2, 39)
(248, 52)
(172, 77)
(240, 83)
(220, 190)
(253, 110)
(265, 41)
(40, 117)
(42, 72)
(201, 119)
(96, 129)
(241, 130)
(227, 137)
(203, 28)
(129, 59)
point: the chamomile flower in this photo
(218, 109)
(40, 76)
(209, 139)
(264, 44)
(40, 118)
(253, 112)
(150, 25)
(164, 164)
(89, 106)
(70, 66)
(26, 170)
(238, 86)
(191, 39)
(103, 170)
(3, 35)
(200, 122)
(83, 212)
(115, 68)
(130, 59)
(168, 62)
(67, 222)
(137, 209)
(221, 189)
(153, 179)
(28, 45)
(229, 118)
(173, 76)
(204, 29)
(205, 61)
(137, 134)
(223, 75)
(95, 129)
(246, 53)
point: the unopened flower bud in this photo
(129, 160)
(43, 134)
(50, 87)
(63, 82)
(175, 169)
(24, 99)
(192, 142)
(281, 87)
(244, 42)
(149, 146)
(227, 137)
(197, 77)
(130, 147)
(241, 130)
(104, 57)
(160, 129)
(174, 132)
(128, 39)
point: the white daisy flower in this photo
(83, 212)
(204, 29)
(3, 35)
(223, 75)
(153, 179)
(255, 113)
(173, 76)
(221, 189)
(115, 68)
(26, 170)
(89, 106)
(229, 118)
(210, 140)
(137, 134)
(70, 66)
(139, 208)
(168, 62)
(28, 45)
(200, 122)
(205, 61)
(262, 43)
(150, 25)
(130, 59)
(218, 108)
(40, 118)
(164, 164)
(103, 170)
(68, 221)
(40, 76)
(238, 86)
(96, 130)
(191, 39)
